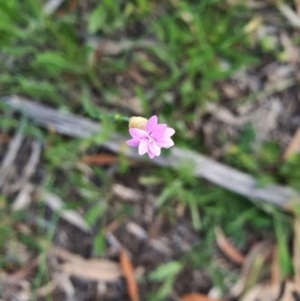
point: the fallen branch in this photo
(289, 14)
(51, 6)
(217, 173)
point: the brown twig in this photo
(227, 248)
(128, 273)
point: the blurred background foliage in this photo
(96, 58)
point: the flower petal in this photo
(143, 146)
(153, 148)
(169, 132)
(133, 142)
(152, 122)
(158, 131)
(137, 133)
(166, 143)
(151, 155)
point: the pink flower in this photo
(152, 138)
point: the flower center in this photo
(150, 139)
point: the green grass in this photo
(195, 45)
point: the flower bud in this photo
(137, 122)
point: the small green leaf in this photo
(284, 257)
(94, 213)
(97, 19)
(53, 62)
(164, 271)
(99, 244)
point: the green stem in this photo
(95, 114)
(115, 117)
